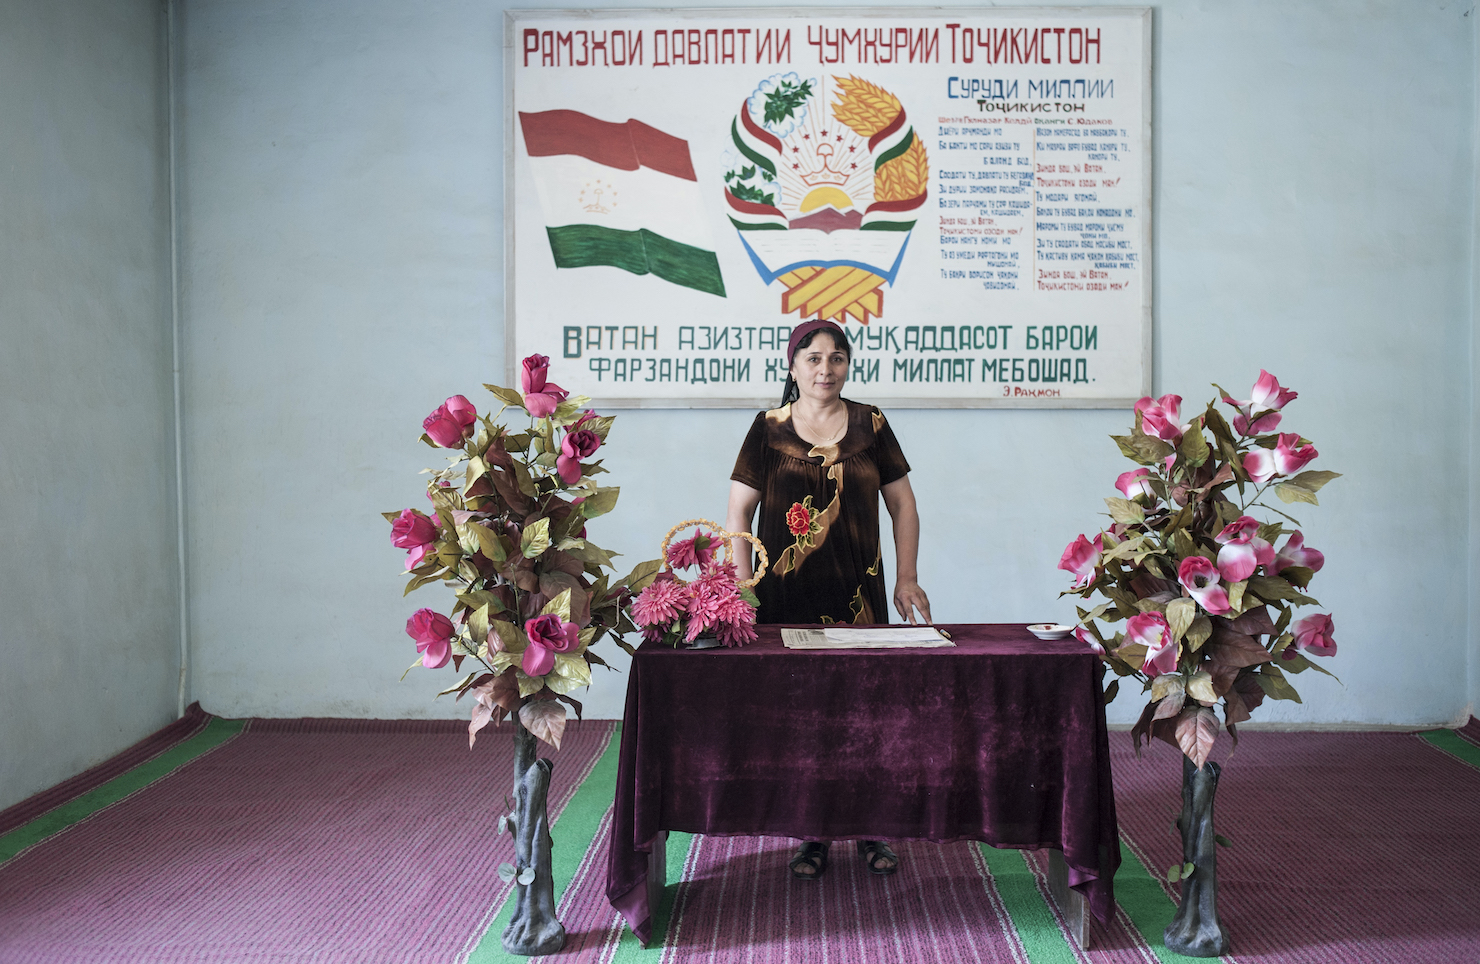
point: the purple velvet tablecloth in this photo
(1000, 738)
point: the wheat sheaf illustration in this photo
(867, 109)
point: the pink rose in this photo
(433, 634)
(412, 529)
(451, 422)
(1081, 557)
(1290, 457)
(541, 397)
(1200, 578)
(1134, 483)
(1294, 553)
(578, 445)
(1259, 463)
(547, 636)
(1151, 630)
(1260, 414)
(1313, 634)
(1083, 635)
(1243, 551)
(1161, 417)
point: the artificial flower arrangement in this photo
(507, 532)
(1195, 576)
(715, 604)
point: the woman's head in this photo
(818, 356)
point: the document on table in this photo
(885, 637)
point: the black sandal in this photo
(875, 850)
(812, 854)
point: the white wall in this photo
(342, 259)
(88, 581)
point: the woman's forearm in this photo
(738, 518)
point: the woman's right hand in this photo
(743, 501)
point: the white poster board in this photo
(966, 191)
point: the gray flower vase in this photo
(1195, 930)
(534, 929)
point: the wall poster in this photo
(967, 192)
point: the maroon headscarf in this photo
(806, 328)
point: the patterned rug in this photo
(332, 840)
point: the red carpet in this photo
(297, 840)
(363, 841)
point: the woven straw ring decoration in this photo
(725, 538)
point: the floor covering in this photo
(369, 841)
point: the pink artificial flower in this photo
(433, 634)
(1135, 483)
(548, 635)
(1081, 557)
(451, 423)
(1313, 634)
(1161, 417)
(1290, 457)
(737, 634)
(1261, 413)
(1294, 553)
(1259, 464)
(697, 550)
(1243, 551)
(418, 555)
(541, 397)
(1151, 630)
(663, 601)
(1083, 635)
(1200, 578)
(579, 444)
(412, 529)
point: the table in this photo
(1001, 739)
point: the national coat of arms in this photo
(824, 196)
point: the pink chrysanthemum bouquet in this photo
(714, 604)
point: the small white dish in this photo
(1050, 630)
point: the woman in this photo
(816, 467)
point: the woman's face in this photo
(820, 368)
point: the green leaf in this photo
(1272, 588)
(1123, 510)
(506, 395)
(1221, 840)
(1174, 873)
(1198, 633)
(560, 606)
(536, 538)
(1194, 447)
(478, 624)
(1290, 493)
(486, 539)
(601, 503)
(641, 575)
(1215, 423)
(1180, 614)
(1274, 684)
(1112, 690)
(1188, 869)
(592, 553)
(460, 684)
(1200, 687)
(1314, 479)
(1236, 595)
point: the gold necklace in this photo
(812, 430)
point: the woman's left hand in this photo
(908, 596)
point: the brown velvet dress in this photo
(819, 516)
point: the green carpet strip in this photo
(1455, 746)
(577, 824)
(1043, 939)
(629, 948)
(215, 733)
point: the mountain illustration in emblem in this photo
(824, 185)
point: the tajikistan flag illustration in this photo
(623, 195)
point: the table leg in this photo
(657, 877)
(1070, 901)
